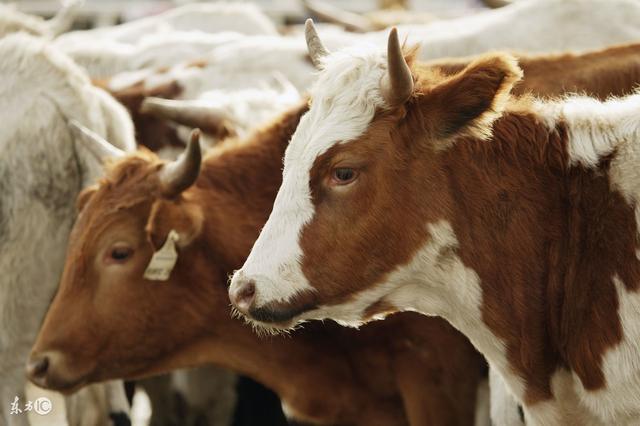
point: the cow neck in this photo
(501, 205)
(238, 187)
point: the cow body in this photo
(41, 176)
(513, 218)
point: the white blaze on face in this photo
(344, 101)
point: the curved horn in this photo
(99, 148)
(180, 174)
(317, 51)
(191, 114)
(397, 84)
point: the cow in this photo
(42, 169)
(511, 217)
(104, 58)
(216, 17)
(324, 373)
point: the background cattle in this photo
(41, 173)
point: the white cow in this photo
(104, 57)
(534, 26)
(41, 172)
(244, 18)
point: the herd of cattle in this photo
(481, 172)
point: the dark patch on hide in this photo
(5, 185)
(55, 188)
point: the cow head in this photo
(106, 318)
(363, 183)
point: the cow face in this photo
(107, 320)
(361, 194)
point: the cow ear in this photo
(84, 197)
(186, 218)
(469, 102)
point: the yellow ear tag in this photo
(163, 260)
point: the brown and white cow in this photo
(514, 219)
(107, 320)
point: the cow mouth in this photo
(274, 318)
(65, 386)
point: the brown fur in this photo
(407, 370)
(613, 71)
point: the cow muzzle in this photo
(246, 298)
(50, 370)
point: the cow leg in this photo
(160, 392)
(209, 393)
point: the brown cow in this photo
(514, 219)
(107, 320)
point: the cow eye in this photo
(343, 175)
(120, 254)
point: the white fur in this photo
(595, 128)
(246, 62)
(104, 57)
(528, 25)
(40, 177)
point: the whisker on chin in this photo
(263, 329)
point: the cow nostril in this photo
(244, 295)
(38, 367)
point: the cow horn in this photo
(397, 84)
(189, 113)
(317, 51)
(99, 148)
(180, 174)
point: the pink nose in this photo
(243, 294)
